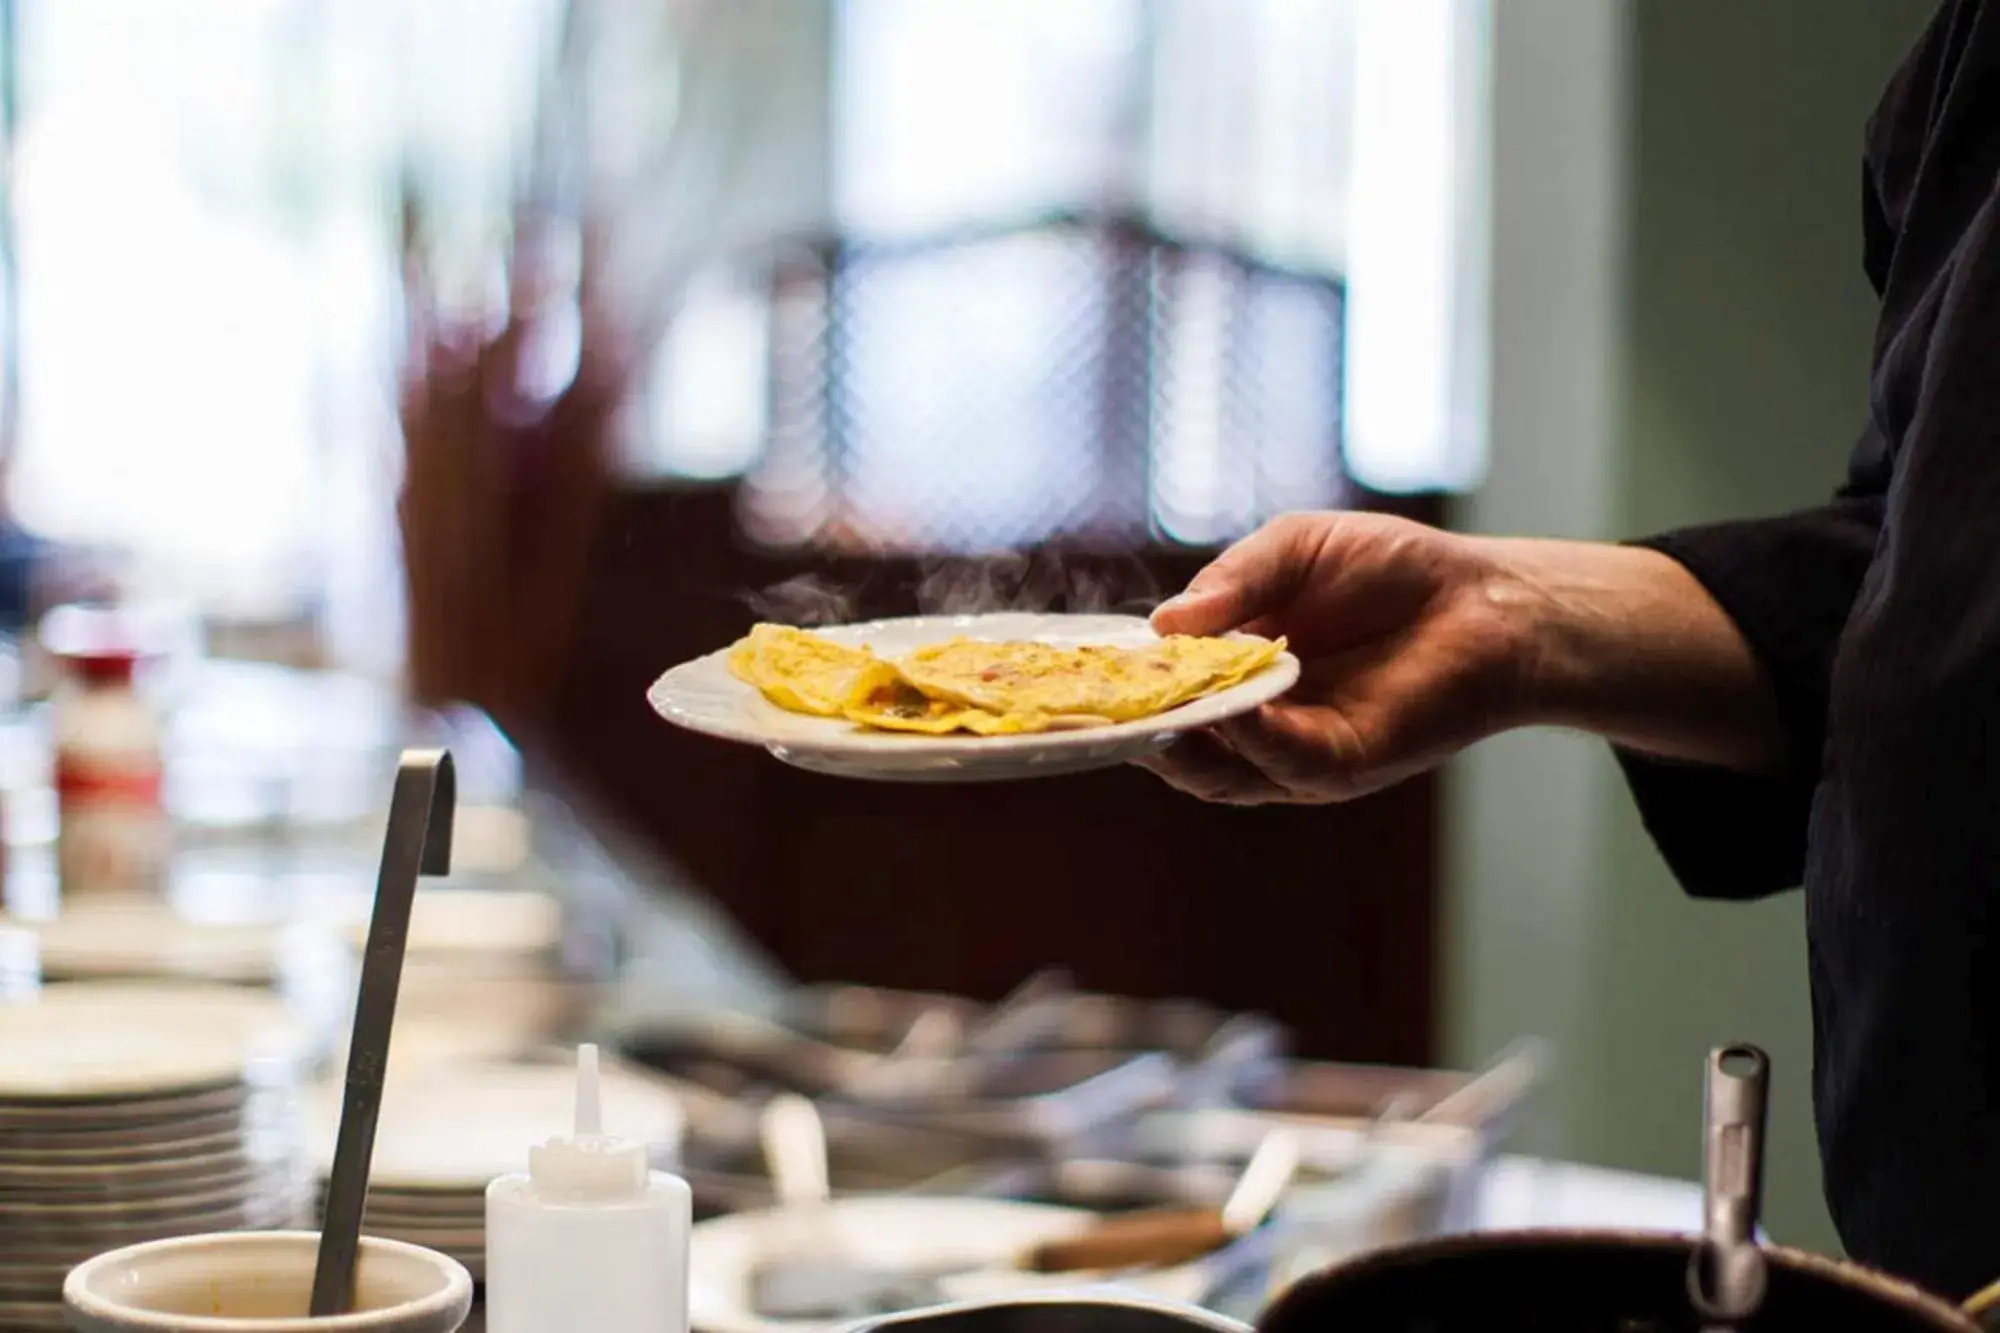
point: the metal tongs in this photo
(1727, 1275)
(926, 1063)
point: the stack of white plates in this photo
(481, 978)
(143, 937)
(445, 1132)
(129, 1113)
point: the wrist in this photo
(1565, 605)
(1533, 640)
(1624, 642)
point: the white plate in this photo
(454, 1128)
(454, 923)
(119, 1140)
(104, 1042)
(144, 937)
(703, 696)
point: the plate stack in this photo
(481, 975)
(446, 1131)
(129, 1113)
(145, 938)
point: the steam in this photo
(1041, 581)
(805, 600)
(1038, 581)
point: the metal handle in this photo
(794, 1140)
(417, 842)
(1726, 1276)
(1024, 1017)
(1505, 1081)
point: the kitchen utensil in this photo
(865, 1042)
(704, 696)
(1034, 1103)
(1025, 1017)
(935, 1049)
(863, 1158)
(1552, 1281)
(1163, 1237)
(1490, 1097)
(873, 1018)
(417, 842)
(1726, 1276)
(813, 1277)
(1485, 1102)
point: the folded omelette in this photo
(991, 689)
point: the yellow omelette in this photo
(1112, 684)
(882, 699)
(799, 671)
(992, 689)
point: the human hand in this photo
(1410, 640)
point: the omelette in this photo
(799, 671)
(992, 689)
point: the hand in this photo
(1411, 643)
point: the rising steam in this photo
(805, 600)
(958, 585)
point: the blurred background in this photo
(379, 371)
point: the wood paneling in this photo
(1321, 917)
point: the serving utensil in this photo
(813, 1277)
(1726, 1274)
(1165, 1237)
(924, 1062)
(417, 842)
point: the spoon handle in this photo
(1726, 1277)
(418, 842)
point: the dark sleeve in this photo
(1789, 584)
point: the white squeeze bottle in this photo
(589, 1237)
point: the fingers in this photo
(1292, 751)
(1256, 577)
(1201, 765)
(1282, 752)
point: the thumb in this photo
(1257, 577)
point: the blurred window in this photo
(1297, 312)
(1107, 268)
(208, 310)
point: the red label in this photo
(86, 784)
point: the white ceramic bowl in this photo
(257, 1282)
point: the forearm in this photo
(1625, 643)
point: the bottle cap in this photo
(589, 1166)
(105, 666)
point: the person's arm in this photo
(1624, 642)
(1705, 655)
(1416, 642)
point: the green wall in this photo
(1740, 326)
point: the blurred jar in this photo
(112, 835)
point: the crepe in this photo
(882, 699)
(799, 671)
(992, 689)
(1114, 684)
